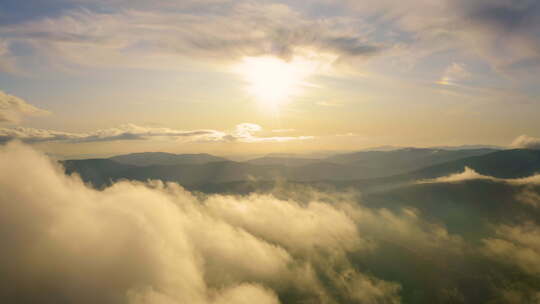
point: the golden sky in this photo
(239, 77)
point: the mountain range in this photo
(162, 158)
(381, 167)
(433, 235)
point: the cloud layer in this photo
(135, 243)
(471, 174)
(244, 132)
(64, 242)
(503, 33)
(221, 30)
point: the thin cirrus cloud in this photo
(245, 133)
(13, 109)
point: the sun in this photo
(273, 81)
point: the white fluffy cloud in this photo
(244, 132)
(471, 174)
(153, 243)
(132, 242)
(467, 174)
(13, 109)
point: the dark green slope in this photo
(387, 163)
(214, 172)
(283, 161)
(161, 158)
(98, 172)
(502, 164)
(466, 208)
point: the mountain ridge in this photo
(164, 158)
(380, 169)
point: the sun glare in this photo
(273, 81)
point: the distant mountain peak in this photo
(165, 158)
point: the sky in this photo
(96, 77)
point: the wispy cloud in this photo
(503, 34)
(245, 132)
(283, 130)
(13, 109)
(454, 73)
(516, 245)
(329, 104)
(235, 30)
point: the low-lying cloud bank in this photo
(471, 174)
(156, 243)
(64, 242)
(244, 132)
(526, 142)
